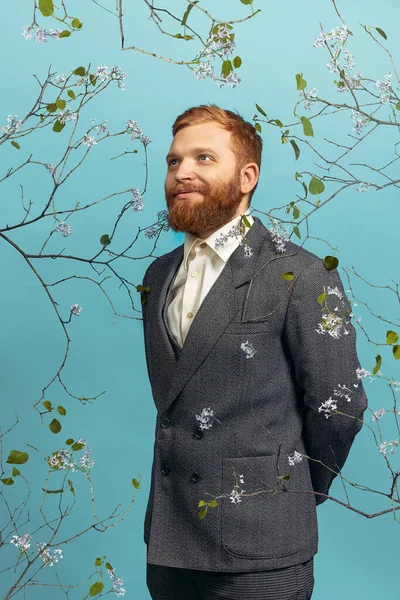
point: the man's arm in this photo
(323, 364)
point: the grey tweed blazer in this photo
(240, 397)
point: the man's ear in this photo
(249, 177)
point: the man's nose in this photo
(184, 171)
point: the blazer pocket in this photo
(264, 525)
(245, 328)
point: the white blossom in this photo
(41, 35)
(295, 459)
(328, 407)
(363, 187)
(64, 229)
(50, 168)
(361, 372)
(385, 88)
(27, 32)
(205, 418)
(66, 115)
(359, 122)
(279, 236)
(309, 98)
(76, 309)
(137, 203)
(14, 124)
(86, 460)
(378, 414)
(22, 542)
(61, 460)
(235, 495)
(89, 140)
(117, 583)
(388, 446)
(248, 349)
(46, 556)
(331, 324)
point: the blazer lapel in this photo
(216, 311)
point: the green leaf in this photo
(398, 106)
(93, 79)
(53, 491)
(378, 359)
(321, 298)
(61, 410)
(47, 404)
(60, 103)
(278, 122)
(108, 566)
(57, 127)
(71, 94)
(98, 562)
(7, 481)
(237, 61)
(286, 477)
(202, 513)
(17, 458)
(202, 503)
(226, 68)
(246, 1)
(330, 262)
(307, 127)
(105, 239)
(213, 504)
(16, 472)
(260, 110)
(381, 32)
(76, 23)
(316, 186)
(187, 12)
(69, 441)
(391, 337)
(296, 212)
(96, 588)
(135, 483)
(64, 33)
(55, 426)
(297, 232)
(295, 148)
(301, 83)
(77, 446)
(258, 127)
(46, 7)
(288, 276)
(246, 221)
(305, 188)
(297, 175)
(396, 352)
(178, 35)
(52, 107)
(79, 71)
(16, 145)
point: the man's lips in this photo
(185, 193)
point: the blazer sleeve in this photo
(325, 370)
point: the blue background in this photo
(356, 556)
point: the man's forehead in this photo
(210, 136)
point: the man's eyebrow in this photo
(193, 151)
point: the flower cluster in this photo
(62, 459)
(388, 446)
(339, 34)
(64, 229)
(221, 44)
(205, 417)
(385, 88)
(309, 98)
(76, 309)
(137, 203)
(376, 415)
(22, 542)
(361, 372)
(234, 232)
(45, 554)
(236, 493)
(136, 133)
(162, 217)
(279, 236)
(248, 349)
(14, 124)
(328, 407)
(295, 459)
(50, 168)
(41, 33)
(359, 122)
(100, 127)
(106, 73)
(66, 115)
(89, 140)
(117, 582)
(363, 187)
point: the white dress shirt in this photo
(203, 261)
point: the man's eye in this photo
(206, 155)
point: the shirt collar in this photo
(219, 242)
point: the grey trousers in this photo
(171, 583)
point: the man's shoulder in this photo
(160, 262)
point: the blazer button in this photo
(195, 477)
(165, 469)
(198, 433)
(165, 422)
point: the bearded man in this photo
(248, 374)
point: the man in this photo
(247, 374)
